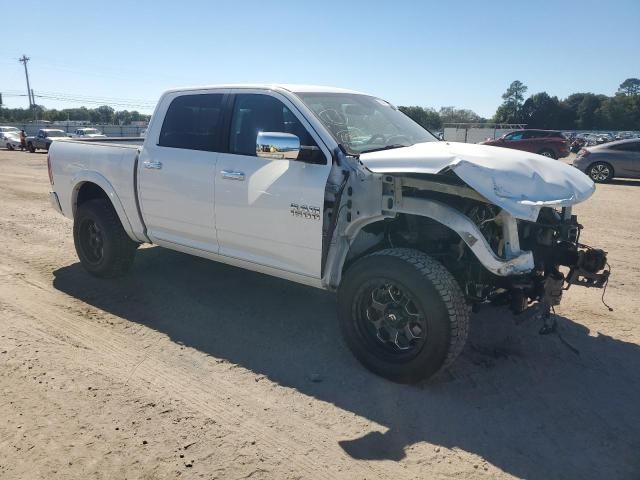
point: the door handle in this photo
(152, 165)
(231, 175)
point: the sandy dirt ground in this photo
(191, 369)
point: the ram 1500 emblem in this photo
(305, 211)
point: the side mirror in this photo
(277, 146)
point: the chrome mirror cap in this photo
(277, 146)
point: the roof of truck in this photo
(271, 86)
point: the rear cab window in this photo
(193, 122)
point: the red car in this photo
(549, 143)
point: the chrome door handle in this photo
(231, 175)
(153, 165)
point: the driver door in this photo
(267, 211)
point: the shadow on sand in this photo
(526, 403)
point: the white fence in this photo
(473, 134)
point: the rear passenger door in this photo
(270, 212)
(177, 171)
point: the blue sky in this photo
(461, 53)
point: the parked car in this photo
(341, 191)
(577, 144)
(614, 159)
(12, 141)
(10, 137)
(549, 143)
(44, 138)
(87, 133)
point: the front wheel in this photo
(402, 314)
(103, 247)
(31, 148)
(9, 146)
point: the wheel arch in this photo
(462, 226)
(90, 185)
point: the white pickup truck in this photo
(338, 190)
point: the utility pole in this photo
(24, 61)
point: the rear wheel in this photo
(402, 314)
(9, 146)
(600, 172)
(103, 247)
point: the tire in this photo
(103, 247)
(31, 148)
(9, 147)
(431, 305)
(548, 153)
(600, 172)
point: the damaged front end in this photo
(554, 240)
(496, 257)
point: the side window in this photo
(193, 122)
(628, 147)
(514, 136)
(253, 113)
(533, 134)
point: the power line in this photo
(73, 96)
(67, 98)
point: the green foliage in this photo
(103, 115)
(458, 115)
(630, 87)
(579, 111)
(427, 117)
(511, 109)
(432, 120)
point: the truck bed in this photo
(109, 163)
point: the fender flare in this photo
(86, 176)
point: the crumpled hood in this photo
(519, 182)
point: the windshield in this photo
(361, 123)
(55, 133)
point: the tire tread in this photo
(449, 291)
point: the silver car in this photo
(614, 159)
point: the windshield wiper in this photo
(386, 147)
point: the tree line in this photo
(579, 111)
(101, 115)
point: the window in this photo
(627, 147)
(253, 113)
(360, 123)
(193, 122)
(514, 136)
(529, 134)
